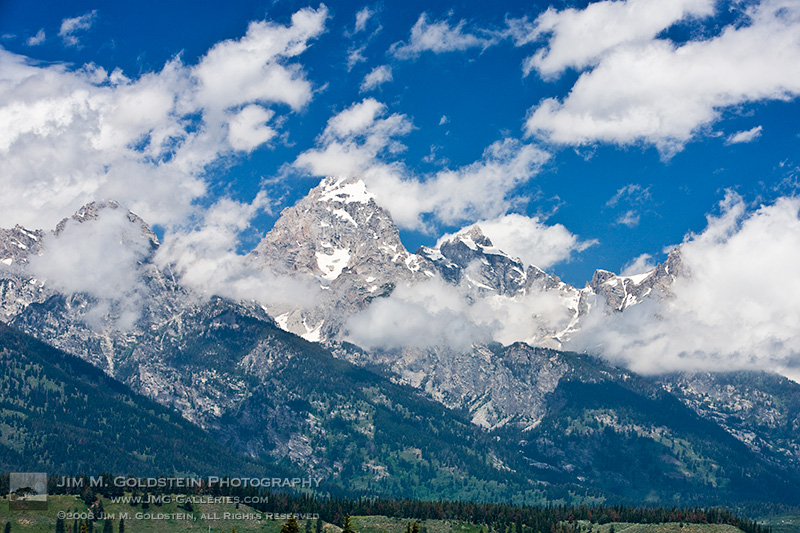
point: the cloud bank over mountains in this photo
(736, 306)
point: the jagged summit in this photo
(93, 210)
(621, 292)
(338, 229)
(346, 190)
(339, 236)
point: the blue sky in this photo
(627, 133)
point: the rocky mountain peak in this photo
(93, 210)
(17, 244)
(341, 237)
(620, 292)
(471, 258)
(337, 229)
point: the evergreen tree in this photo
(60, 526)
(121, 525)
(318, 528)
(108, 527)
(290, 526)
(348, 526)
(84, 528)
(7, 528)
(415, 527)
(308, 526)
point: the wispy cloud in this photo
(376, 77)
(440, 37)
(746, 136)
(71, 28)
(37, 39)
(362, 17)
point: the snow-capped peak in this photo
(345, 190)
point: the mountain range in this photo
(434, 374)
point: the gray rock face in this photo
(339, 236)
(18, 289)
(761, 410)
(621, 292)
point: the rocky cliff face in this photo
(339, 236)
(621, 292)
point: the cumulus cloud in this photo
(71, 28)
(429, 314)
(37, 39)
(439, 37)
(102, 258)
(376, 77)
(734, 307)
(205, 259)
(579, 38)
(531, 240)
(435, 313)
(247, 129)
(746, 136)
(72, 135)
(656, 92)
(254, 64)
(639, 265)
(360, 141)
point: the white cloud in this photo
(37, 39)
(438, 37)
(376, 77)
(426, 315)
(579, 38)
(254, 64)
(443, 120)
(360, 141)
(435, 313)
(629, 218)
(102, 258)
(71, 27)
(532, 241)
(632, 193)
(205, 259)
(746, 136)
(73, 135)
(248, 129)
(659, 93)
(639, 265)
(355, 56)
(362, 17)
(735, 305)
